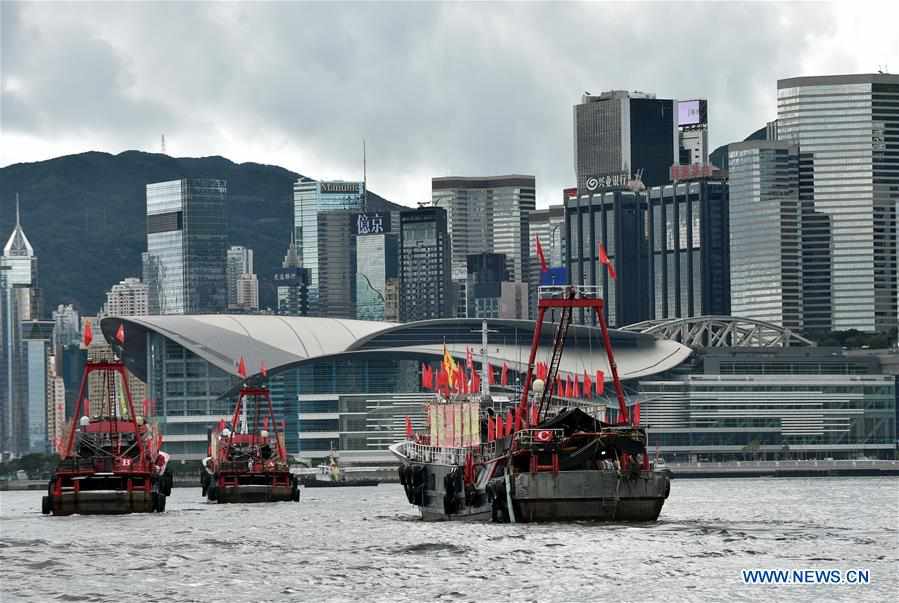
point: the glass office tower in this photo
(765, 233)
(184, 266)
(311, 198)
(849, 126)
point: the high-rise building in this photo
(549, 226)
(247, 292)
(68, 326)
(291, 284)
(311, 198)
(337, 264)
(37, 336)
(693, 132)
(487, 215)
(490, 292)
(377, 262)
(239, 261)
(619, 134)
(616, 218)
(56, 401)
(687, 232)
(425, 274)
(184, 265)
(846, 126)
(765, 233)
(130, 297)
(19, 302)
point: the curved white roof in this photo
(222, 339)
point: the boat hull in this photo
(100, 502)
(588, 495)
(251, 488)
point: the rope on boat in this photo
(509, 496)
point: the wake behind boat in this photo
(546, 461)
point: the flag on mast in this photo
(543, 266)
(88, 333)
(242, 368)
(120, 333)
(604, 259)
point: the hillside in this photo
(85, 216)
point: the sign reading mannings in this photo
(340, 187)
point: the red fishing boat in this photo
(247, 460)
(110, 457)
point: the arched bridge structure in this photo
(721, 331)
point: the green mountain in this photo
(85, 216)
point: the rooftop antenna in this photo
(162, 144)
(364, 181)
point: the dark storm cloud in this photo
(434, 88)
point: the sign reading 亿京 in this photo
(369, 224)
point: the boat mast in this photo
(485, 360)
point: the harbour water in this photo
(367, 544)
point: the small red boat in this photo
(247, 462)
(110, 458)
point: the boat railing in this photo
(531, 437)
(559, 291)
(441, 455)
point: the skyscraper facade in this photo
(130, 297)
(615, 218)
(847, 126)
(693, 132)
(765, 233)
(291, 284)
(239, 261)
(184, 265)
(337, 264)
(310, 198)
(19, 302)
(37, 336)
(67, 330)
(377, 263)
(689, 244)
(425, 274)
(618, 134)
(487, 215)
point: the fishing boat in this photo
(333, 475)
(247, 461)
(551, 459)
(111, 462)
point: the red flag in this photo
(424, 376)
(410, 433)
(569, 387)
(468, 358)
(427, 374)
(588, 385)
(504, 374)
(499, 426)
(490, 378)
(88, 333)
(604, 259)
(491, 429)
(475, 382)
(543, 266)
(600, 383)
(120, 333)
(542, 370)
(263, 369)
(635, 414)
(535, 417)
(242, 368)
(509, 422)
(518, 417)
(559, 391)
(442, 380)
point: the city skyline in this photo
(517, 104)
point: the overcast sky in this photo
(435, 89)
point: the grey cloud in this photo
(465, 88)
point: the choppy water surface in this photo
(365, 544)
